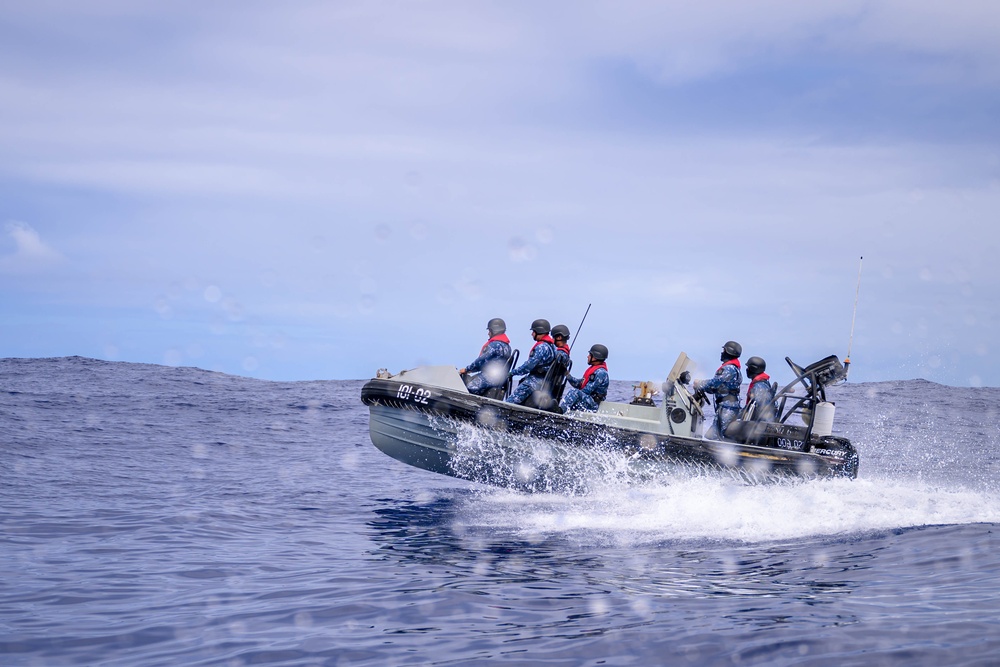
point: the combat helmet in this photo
(755, 366)
(541, 327)
(598, 352)
(496, 326)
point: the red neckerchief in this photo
(763, 377)
(590, 371)
(500, 337)
(541, 339)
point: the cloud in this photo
(30, 253)
(354, 168)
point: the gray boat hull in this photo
(443, 429)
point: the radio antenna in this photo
(850, 342)
(581, 325)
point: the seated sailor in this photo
(760, 394)
(492, 360)
(592, 388)
(560, 335)
(542, 354)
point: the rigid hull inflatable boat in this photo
(425, 417)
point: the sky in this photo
(315, 190)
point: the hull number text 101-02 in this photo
(406, 393)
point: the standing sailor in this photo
(492, 360)
(542, 354)
(726, 388)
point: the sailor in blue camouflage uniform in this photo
(592, 388)
(560, 334)
(542, 354)
(492, 360)
(726, 388)
(760, 393)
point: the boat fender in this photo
(823, 418)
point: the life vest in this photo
(500, 337)
(763, 377)
(564, 348)
(731, 362)
(541, 339)
(540, 371)
(586, 378)
(590, 371)
(731, 392)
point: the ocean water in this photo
(173, 516)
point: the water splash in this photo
(709, 508)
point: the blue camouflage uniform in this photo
(492, 362)
(537, 365)
(760, 394)
(586, 397)
(563, 353)
(726, 388)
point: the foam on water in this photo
(704, 508)
(913, 473)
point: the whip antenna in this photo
(850, 342)
(577, 334)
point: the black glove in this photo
(684, 378)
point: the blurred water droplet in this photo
(163, 308)
(446, 295)
(519, 251)
(233, 309)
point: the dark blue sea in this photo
(174, 516)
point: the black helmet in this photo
(733, 349)
(598, 352)
(560, 330)
(755, 366)
(496, 326)
(540, 327)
